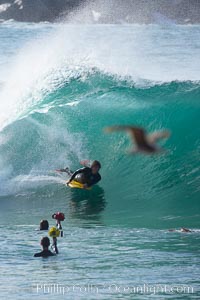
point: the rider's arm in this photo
(86, 163)
(94, 181)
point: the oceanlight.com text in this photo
(60, 289)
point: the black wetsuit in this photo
(44, 253)
(87, 176)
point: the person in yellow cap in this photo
(54, 233)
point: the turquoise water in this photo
(60, 85)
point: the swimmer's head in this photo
(44, 225)
(96, 166)
(45, 242)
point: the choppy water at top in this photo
(59, 86)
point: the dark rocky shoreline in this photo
(104, 11)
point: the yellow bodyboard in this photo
(77, 185)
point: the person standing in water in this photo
(88, 176)
(45, 243)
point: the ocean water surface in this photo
(60, 85)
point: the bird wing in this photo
(158, 135)
(138, 134)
